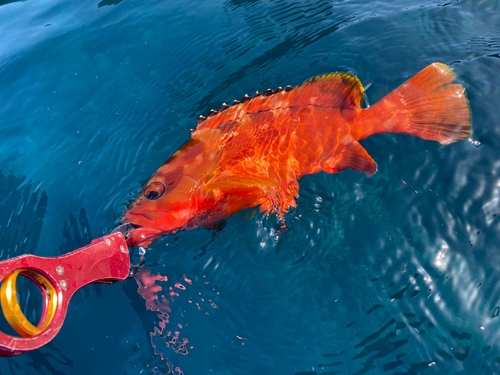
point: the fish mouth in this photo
(144, 229)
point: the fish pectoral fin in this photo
(249, 191)
(243, 184)
(355, 157)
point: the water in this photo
(395, 274)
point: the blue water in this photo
(397, 274)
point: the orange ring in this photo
(12, 309)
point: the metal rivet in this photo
(59, 270)
(108, 242)
(63, 284)
(122, 248)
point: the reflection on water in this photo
(393, 274)
(22, 210)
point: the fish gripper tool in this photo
(105, 260)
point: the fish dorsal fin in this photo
(334, 90)
(355, 157)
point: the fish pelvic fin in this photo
(428, 106)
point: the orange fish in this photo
(253, 152)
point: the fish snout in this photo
(149, 226)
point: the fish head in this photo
(173, 196)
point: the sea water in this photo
(397, 274)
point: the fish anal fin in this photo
(354, 157)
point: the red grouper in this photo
(253, 152)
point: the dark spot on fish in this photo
(375, 279)
(212, 112)
(409, 315)
(485, 349)
(256, 94)
(201, 119)
(288, 88)
(430, 325)
(350, 324)
(236, 102)
(279, 89)
(223, 107)
(390, 285)
(268, 92)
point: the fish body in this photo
(254, 152)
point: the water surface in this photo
(395, 274)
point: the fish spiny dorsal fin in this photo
(335, 90)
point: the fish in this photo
(254, 151)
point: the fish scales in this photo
(253, 152)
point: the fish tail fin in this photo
(426, 106)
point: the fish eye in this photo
(155, 190)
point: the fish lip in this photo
(144, 232)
